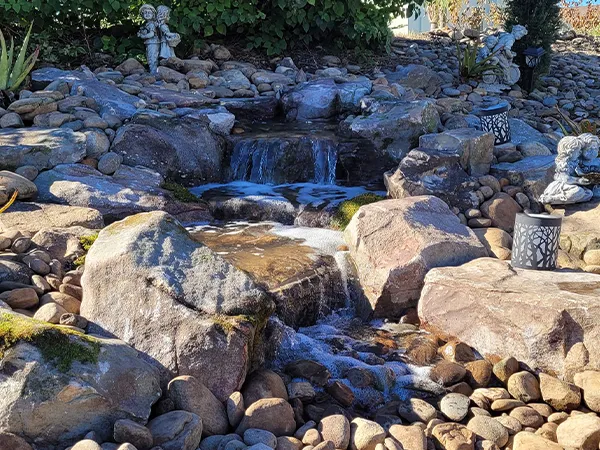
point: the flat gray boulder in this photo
(54, 401)
(32, 217)
(187, 309)
(111, 99)
(43, 148)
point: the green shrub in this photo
(73, 28)
(347, 209)
(542, 19)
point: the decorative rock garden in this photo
(229, 256)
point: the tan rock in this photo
(457, 352)
(416, 410)
(447, 373)
(69, 303)
(336, 428)
(528, 417)
(502, 210)
(22, 298)
(50, 312)
(561, 395)
(392, 251)
(270, 414)
(489, 429)
(288, 443)
(365, 434)
(530, 441)
(530, 315)
(506, 367)
(33, 217)
(506, 404)
(510, 423)
(581, 432)
(524, 386)
(410, 437)
(589, 382)
(479, 373)
(454, 436)
(497, 241)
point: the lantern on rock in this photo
(495, 120)
(535, 241)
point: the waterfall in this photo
(284, 160)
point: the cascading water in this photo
(277, 160)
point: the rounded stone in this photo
(365, 434)
(581, 431)
(561, 395)
(479, 373)
(109, 163)
(528, 417)
(261, 384)
(50, 312)
(524, 386)
(97, 143)
(510, 423)
(128, 431)
(490, 429)
(21, 245)
(288, 443)
(235, 408)
(271, 414)
(29, 172)
(22, 298)
(312, 437)
(455, 406)
(416, 410)
(254, 436)
(447, 373)
(453, 436)
(69, 303)
(39, 266)
(336, 428)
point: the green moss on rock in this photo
(86, 243)
(58, 345)
(348, 208)
(180, 192)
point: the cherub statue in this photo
(149, 33)
(168, 40)
(487, 51)
(577, 170)
(505, 55)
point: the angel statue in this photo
(505, 55)
(150, 34)
(168, 40)
(577, 174)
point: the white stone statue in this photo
(150, 34)
(168, 40)
(577, 176)
(500, 46)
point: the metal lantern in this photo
(535, 241)
(532, 57)
(495, 120)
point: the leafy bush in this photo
(270, 25)
(542, 19)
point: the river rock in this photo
(416, 76)
(13, 442)
(490, 429)
(42, 148)
(270, 414)
(208, 336)
(128, 431)
(365, 434)
(530, 315)
(263, 383)
(181, 149)
(455, 406)
(11, 182)
(416, 410)
(410, 437)
(526, 440)
(33, 217)
(581, 431)
(453, 436)
(589, 382)
(392, 254)
(559, 394)
(189, 394)
(336, 428)
(176, 430)
(524, 386)
(88, 390)
(111, 99)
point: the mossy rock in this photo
(60, 345)
(180, 192)
(350, 207)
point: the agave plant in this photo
(12, 75)
(469, 67)
(576, 128)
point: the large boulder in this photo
(43, 148)
(128, 191)
(394, 243)
(111, 99)
(256, 108)
(317, 99)
(474, 148)
(41, 78)
(416, 76)
(534, 173)
(184, 150)
(432, 172)
(57, 385)
(396, 128)
(202, 314)
(534, 316)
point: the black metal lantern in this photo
(532, 56)
(495, 120)
(535, 241)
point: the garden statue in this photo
(168, 40)
(150, 34)
(577, 175)
(502, 56)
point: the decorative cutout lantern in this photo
(532, 57)
(535, 241)
(495, 120)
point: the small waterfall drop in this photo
(276, 160)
